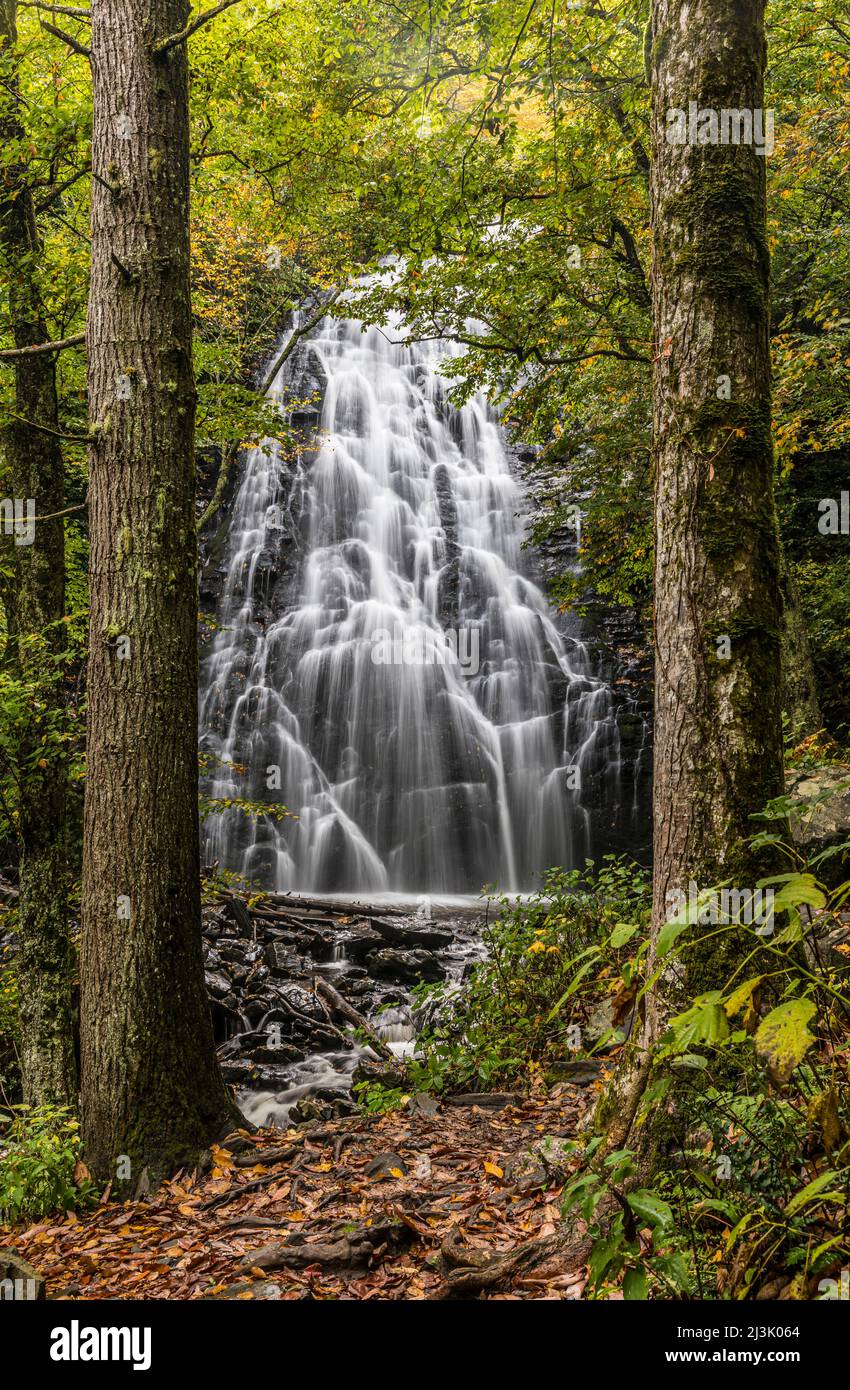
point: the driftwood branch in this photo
(165, 45)
(341, 1006)
(13, 354)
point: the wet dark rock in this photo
(398, 964)
(402, 933)
(386, 1165)
(281, 959)
(305, 1002)
(360, 940)
(234, 952)
(580, 1072)
(218, 984)
(378, 1073)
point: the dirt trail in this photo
(402, 1206)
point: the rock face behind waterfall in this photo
(385, 664)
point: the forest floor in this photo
(459, 1198)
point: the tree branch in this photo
(66, 511)
(293, 338)
(165, 45)
(56, 434)
(73, 11)
(12, 354)
(215, 501)
(56, 193)
(67, 38)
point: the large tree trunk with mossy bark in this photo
(151, 1089)
(34, 471)
(718, 612)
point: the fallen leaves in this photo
(365, 1224)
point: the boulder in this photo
(826, 824)
(402, 932)
(395, 963)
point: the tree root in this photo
(477, 1270)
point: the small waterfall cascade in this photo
(384, 663)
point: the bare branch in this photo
(66, 511)
(56, 434)
(67, 38)
(12, 354)
(165, 45)
(293, 338)
(73, 11)
(56, 193)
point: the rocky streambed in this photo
(292, 980)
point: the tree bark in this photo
(152, 1092)
(717, 602)
(718, 732)
(35, 470)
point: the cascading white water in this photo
(406, 691)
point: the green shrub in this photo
(552, 961)
(40, 1166)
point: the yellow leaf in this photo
(494, 1170)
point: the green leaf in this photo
(800, 888)
(650, 1208)
(668, 936)
(602, 1256)
(634, 1284)
(623, 932)
(704, 1021)
(691, 1059)
(783, 1037)
(811, 1190)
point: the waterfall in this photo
(384, 663)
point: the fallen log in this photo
(338, 908)
(488, 1100)
(340, 1006)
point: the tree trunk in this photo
(152, 1092)
(718, 610)
(35, 470)
(718, 732)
